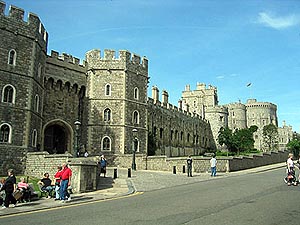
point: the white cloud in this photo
(220, 77)
(278, 22)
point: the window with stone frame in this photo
(107, 115)
(12, 56)
(36, 103)
(107, 90)
(40, 69)
(8, 94)
(5, 133)
(106, 144)
(34, 138)
(135, 117)
(136, 93)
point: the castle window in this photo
(107, 90)
(34, 138)
(188, 137)
(12, 56)
(107, 115)
(8, 94)
(106, 144)
(40, 70)
(181, 135)
(36, 103)
(161, 132)
(172, 133)
(135, 117)
(136, 93)
(5, 133)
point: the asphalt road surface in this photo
(260, 199)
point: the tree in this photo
(294, 146)
(225, 138)
(243, 139)
(237, 141)
(270, 137)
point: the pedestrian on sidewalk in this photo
(213, 166)
(57, 177)
(189, 163)
(66, 175)
(103, 164)
(10, 186)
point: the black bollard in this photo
(129, 172)
(174, 169)
(183, 169)
(115, 173)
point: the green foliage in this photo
(237, 141)
(294, 146)
(270, 137)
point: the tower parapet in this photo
(14, 22)
(125, 61)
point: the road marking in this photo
(66, 205)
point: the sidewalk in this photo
(140, 181)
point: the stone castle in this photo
(57, 104)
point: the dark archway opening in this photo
(55, 141)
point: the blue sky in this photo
(227, 44)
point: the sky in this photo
(227, 44)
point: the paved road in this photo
(255, 198)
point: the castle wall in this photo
(178, 132)
(113, 81)
(26, 41)
(237, 116)
(260, 114)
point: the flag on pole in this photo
(249, 84)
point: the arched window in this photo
(135, 117)
(40, 68)
(107, 90)
(36, 103)
(136, 93)
(136, 145)
(12, 56)
(107, 115)
(5, 133)
(34, 138)
(106, 144)
(8, 94)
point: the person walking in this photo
(103, 164)
(57, 177)
(66, 175)
(213, 166)
(10, 186)
(189, 163)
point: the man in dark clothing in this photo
(9, 187)
(189, 162)
(46, 183)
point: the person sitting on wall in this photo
(46, 184)
(24, 188)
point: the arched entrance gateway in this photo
(57, 137)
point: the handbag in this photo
(17, 194)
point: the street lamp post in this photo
(135, 145)
(77, 136)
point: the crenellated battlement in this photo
(110, 60)
(66, 58)
(15, 23)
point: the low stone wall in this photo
(84, 170)
(202, 164)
